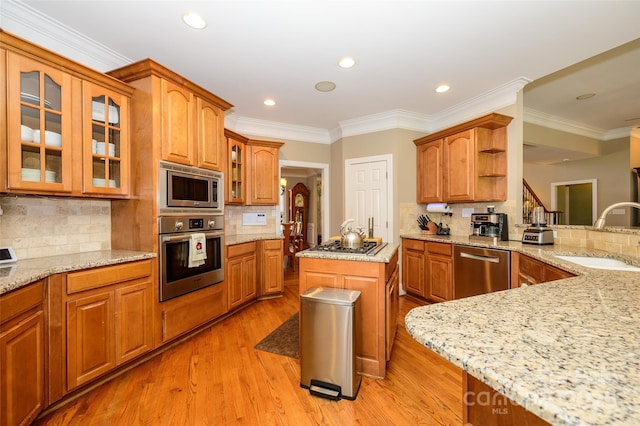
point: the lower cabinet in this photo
(109, 318)
(270, 268)
(427, 269)
(22, 355)
(528, 271)
(240, 273)
(392, 308)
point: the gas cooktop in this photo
(369, 248)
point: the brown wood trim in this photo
(272, 144)
(489, 121)
(100, 277)
(233, 135)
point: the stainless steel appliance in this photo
(538, 233)
(184, 189)
(479, 271)
(369, 248)
(176, 276)
(489, 226)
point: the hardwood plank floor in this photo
(217, 378)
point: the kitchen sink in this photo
(601, 263)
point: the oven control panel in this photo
(173, 224)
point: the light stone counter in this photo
(567, 350)
(24, 272)
(230, 240)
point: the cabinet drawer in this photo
(272, 244)
(241, 249)
(108, 275)
(16, 302)
(439, 248)
(413, 244)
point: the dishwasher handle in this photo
(491, 259)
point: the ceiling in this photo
(251, 50)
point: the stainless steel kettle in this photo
(350, 238)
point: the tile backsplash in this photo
(42, 226)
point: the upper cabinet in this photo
(61, 115)
(183, 122)
(465, 163)
(253, 171)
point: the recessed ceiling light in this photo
(269, 102)
(325, 86)
(585, 96)
(346, 62)
(194, 20)
(442, 88)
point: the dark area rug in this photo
(283, 340)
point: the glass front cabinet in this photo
(67, 126)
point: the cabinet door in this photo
(459, 152)
(263, 175)
(440, 279)
(392, 309)
(236, 172)
(134, 316)
(271, 268)
(177, 124)
(249, 281)
(90, 332)
(22, 370)
(413, 274)
(430, 175)
(39, 126)
(105, 144)
(234, 282)
(211, 143)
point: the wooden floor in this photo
(217, 378)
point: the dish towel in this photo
(197, 250)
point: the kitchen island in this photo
(376, 277)
(567, 351)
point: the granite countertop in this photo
(230, 240)
(24, 272)
(567, 350)
(383, 256)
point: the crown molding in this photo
(26, 22)
(394, 119)
(263, 128)
(553, 122)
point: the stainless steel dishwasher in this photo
(479, 271)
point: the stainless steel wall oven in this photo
(176, 275)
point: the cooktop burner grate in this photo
(335, 247)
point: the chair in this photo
(293, 241)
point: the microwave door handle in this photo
(180, 238)
(481, 258)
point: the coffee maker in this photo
(489, 226)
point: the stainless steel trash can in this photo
(329, 342)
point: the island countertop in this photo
(383, 256)
(567, 350)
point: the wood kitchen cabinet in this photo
(392, 308)
(263, 171)
(22, 354)
(375, 281)
(235, 192)
(427, 270)
(467, 162)
(59, 115)
(108, 314)
(190, 119)
(241, 274)
(526, 270)
(271, 272)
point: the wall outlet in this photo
(466, 212)
(617, 211)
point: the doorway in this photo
(316, 178)
(577, 199)
(368, 183)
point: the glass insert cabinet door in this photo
(236, 153)
(39, 126)
(105, 140)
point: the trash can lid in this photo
(335, 296)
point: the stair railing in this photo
(530, 200)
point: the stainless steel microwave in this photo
(185, 189)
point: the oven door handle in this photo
(182, 237)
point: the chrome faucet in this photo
(599, 225)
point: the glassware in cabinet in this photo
(236, 172)
(39, 156)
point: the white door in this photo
(367, 194)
